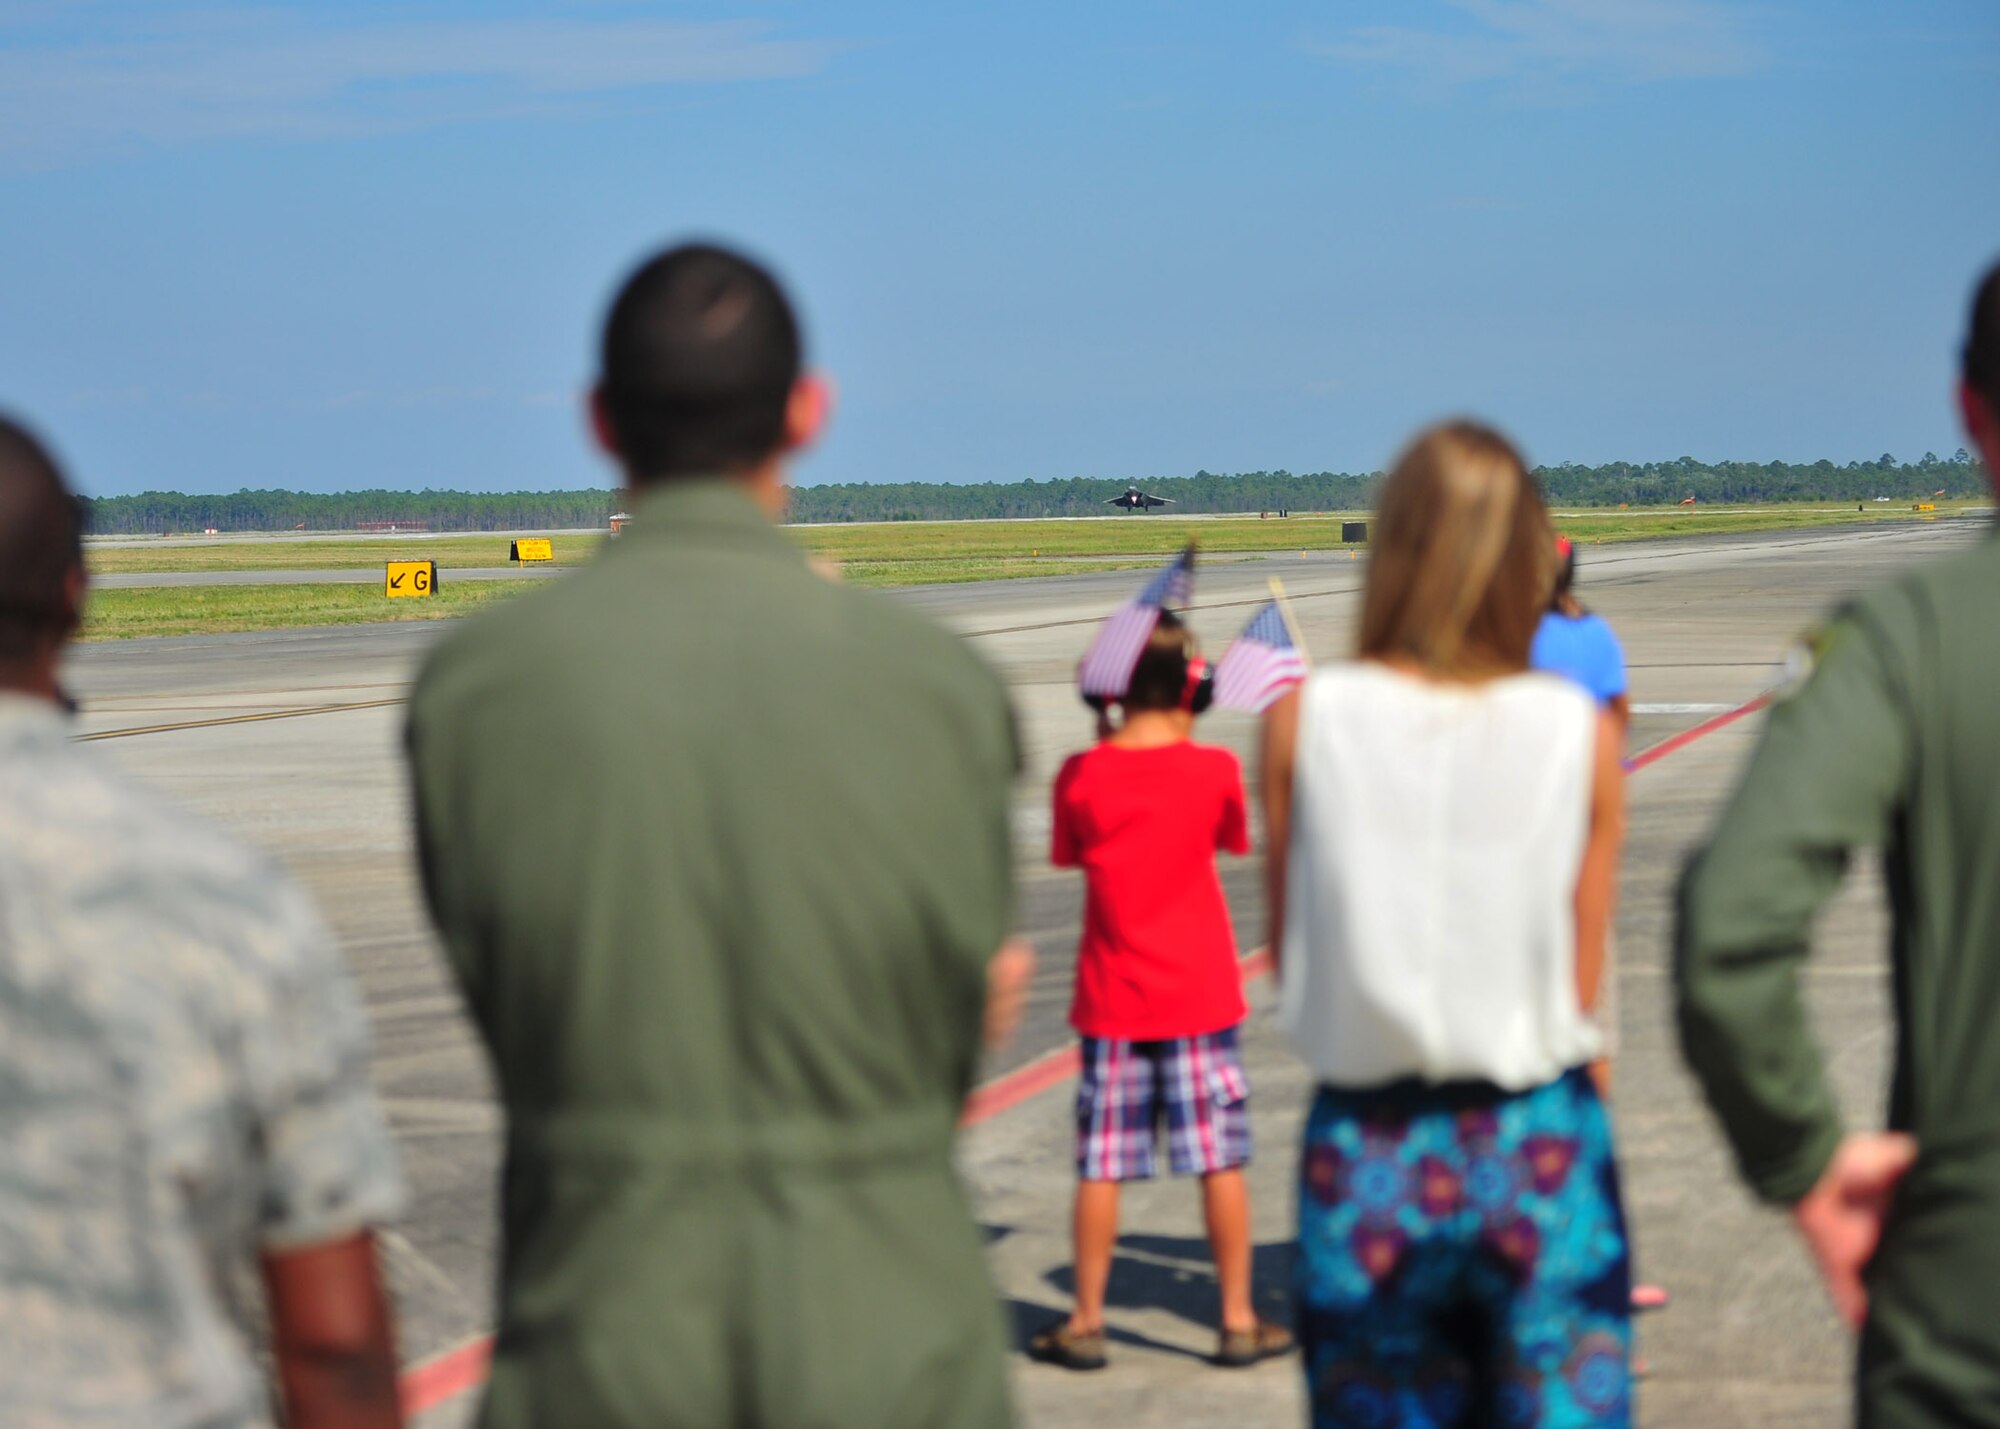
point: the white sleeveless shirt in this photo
(1430, 908)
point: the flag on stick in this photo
(1106, 667)
(1261, 663)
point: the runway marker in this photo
(432, 1382)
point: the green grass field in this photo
(891, 554)
(222, 609)
(923, 552)
(285, 553)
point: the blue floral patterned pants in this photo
(1463, 1260)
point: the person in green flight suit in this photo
(1893, 741)
(721, 856)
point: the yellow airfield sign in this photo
(408, 578)
(533, 548)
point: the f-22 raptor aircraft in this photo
(1136, 500)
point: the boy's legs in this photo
(1095, 1230)
(1225, 1207)
(1116, 1108)
(1208, 1134)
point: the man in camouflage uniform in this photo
(183, 1076)
(1892, 742)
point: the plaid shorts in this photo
(1197, 1082)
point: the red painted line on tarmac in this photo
(444, 1377)
(433, 1382)
(1688, 736)
(1005, 1092)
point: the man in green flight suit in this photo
(1893, 741)
(720, 851)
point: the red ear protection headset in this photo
(1199, 693)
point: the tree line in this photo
(1570, 484)
(156, 513)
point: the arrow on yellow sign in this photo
(404, 579)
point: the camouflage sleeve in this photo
(330, 1164)
(1827, 777)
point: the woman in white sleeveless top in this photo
(1443, 846)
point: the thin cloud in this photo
(1536, 43)
(136, 77)
(420, 399)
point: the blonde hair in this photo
(1463, 557)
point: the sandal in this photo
(1242, 1348)
(1070, 1348)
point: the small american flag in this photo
(1260, 664)
(1106, 667)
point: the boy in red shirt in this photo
(1159, 995)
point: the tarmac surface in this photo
(291, 739)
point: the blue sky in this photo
(330, 246)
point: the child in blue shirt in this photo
(1578, 645)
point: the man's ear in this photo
(807, 410)
(1982, 425)
(76, 586)
(601, 430)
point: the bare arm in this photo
(1010, 975)
(1597, 878)
(331, 1336)
(1281, 736)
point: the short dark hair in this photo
(1982, 340)
(41, 545)
(1159, 680)
(701, 350)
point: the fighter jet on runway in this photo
(1136, 500)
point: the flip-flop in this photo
(1239, 1349)
(1069, 1348)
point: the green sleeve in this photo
(1826, 778)
(439, 872)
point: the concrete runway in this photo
(291, 740)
